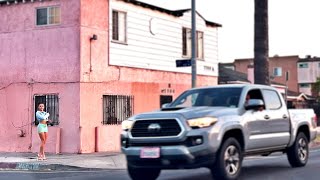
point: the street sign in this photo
(183, 62)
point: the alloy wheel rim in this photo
(302, 149)
(232, 160)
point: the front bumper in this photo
(182, 156)
(183, 151)
(171, 157)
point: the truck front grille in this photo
(156, 128)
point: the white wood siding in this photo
(160, 51)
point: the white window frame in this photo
(188, 42)
(275, 71)
(303, 65)
(48, 16)
(124, 26)
(304, 85)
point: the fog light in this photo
(198, 141)
(124, 143)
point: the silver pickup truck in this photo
(216, 127)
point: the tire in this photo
(143, 173)
(298, 153)
(230, 168)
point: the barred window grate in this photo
(51, 102)
(116, 108)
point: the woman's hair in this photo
(40, 103)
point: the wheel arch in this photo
(237, 134)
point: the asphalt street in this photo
(262, 168)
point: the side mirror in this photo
(254, 104)
(165, 105)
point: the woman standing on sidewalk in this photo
(42, 128)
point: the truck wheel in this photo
(228, 161)
(143, 173)
(298, 153)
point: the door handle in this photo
(266, 117)
(284, 116)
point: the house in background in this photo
(308, 71)
(93, 64)
(229, 76)
(278, 66)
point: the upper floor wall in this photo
(149, 38)
(308, 70)
(39, 41)
(278, 66)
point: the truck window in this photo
(272, 99)
(254, 94)
(227, 97)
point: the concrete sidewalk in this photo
(92, 161)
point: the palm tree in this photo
(261, 42)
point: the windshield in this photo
(227, 97)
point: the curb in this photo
(44, 167)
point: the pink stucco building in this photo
(81, 58)
(278, 67)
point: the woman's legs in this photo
(45, 141)
(41, 150)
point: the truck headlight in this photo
(126, 124)
(202, 122)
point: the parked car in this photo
(216, 127)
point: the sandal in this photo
(39, 157)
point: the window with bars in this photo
(116, 108)
(186, 43)
(119, 26)
(51, 106)
(48, 16)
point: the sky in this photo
(294, 25)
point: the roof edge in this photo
(176, 13)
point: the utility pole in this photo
(193, 45)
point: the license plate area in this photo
(150, 152)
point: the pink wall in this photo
(103, 79)
(38, 60)
(19, 113)
(63, 54)
(13, 116)
(146, 91)
(108, 138)
(92, 110)
(94, 20)
(25, 46)
(287, 63)
(69, 113)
